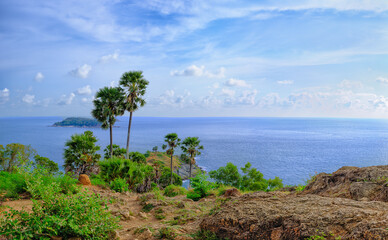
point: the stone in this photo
(233, 192)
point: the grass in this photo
(163, 157)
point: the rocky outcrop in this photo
(368, 183)
(184, 170)
(279, 215)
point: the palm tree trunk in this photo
(171, 170)
(111, 140)
(129, 132)
(191, 158)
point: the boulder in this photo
(368, 183)
(276, 216)
(84, 180)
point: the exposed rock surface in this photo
(368, 183)
(84, 180)
(233, 192)
(184, 170)
(279, 215)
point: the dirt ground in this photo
(145, 216)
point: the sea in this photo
(293, 149)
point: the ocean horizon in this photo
(290, 148)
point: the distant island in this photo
(77, 122)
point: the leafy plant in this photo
(173, 141)
(51, 166)
(201, 187)
(172, 191)
(14, 155)
(80, 215)
(81, 152)
(119, 185)
(117, 151)
(12, 184)
(137, 157)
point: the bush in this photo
(119, 185)
(201, 187)
(80, 215)
(172, 191)
(14, 155)
(138, 176)
(44, 162)
(164, 180)
(251, 180)
(137, 157)
(98, 181)
(12, 184)
(117, 151)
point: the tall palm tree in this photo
(173, 141)
(108, 104)
(191, 147)
(134, 86)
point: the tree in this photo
(155, 149)
(117, 151)
(172, 141)
(51, 166)
(14, 155)
(137, 157)
(134, 86)
(81, 152)
(191, 147)
(108, 104)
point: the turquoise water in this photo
(291, 148)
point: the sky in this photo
(203, 58)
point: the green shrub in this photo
(119, 185)
(80, 215)
(166, 233)
(148, 207)
(137, 157)
(164, 180)
(251, 180)
(98, 181)
(51, 166)
(12, 184)
(66, 183)
(117, 151)
(138, 176)
(201, 187)
(172, 191)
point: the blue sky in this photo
(202, 58)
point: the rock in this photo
(84, 180)
(352, 182)
(233, 192)
(276, 216)
(146, 235)
(143, 215)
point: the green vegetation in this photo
(77, 122)
(11, 184)
(108, 104)
(134, 86)
(205, 235)
(137, 157)
(119, 185)
(46, 163)
(14, 155)
(173, 141)
(81, 153)
(201, 187)
(251, 180)
(173, 190)
(117, 151)
(191, 147)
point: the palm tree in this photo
(108, 104)
(135, 86)
(173, 141)
(191, 147)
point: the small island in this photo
(77, 122)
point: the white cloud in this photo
(382, 79)
(233, 82)
(82, 71)
(84, 90)
(39, 77)
(169, 98)
(30, 99)
(4, 95)
(247, 97)
(285, 82)
(192, 70)
(228, 92)
(197, 71)
(108, 58)
(66, 100)
(351, 84)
